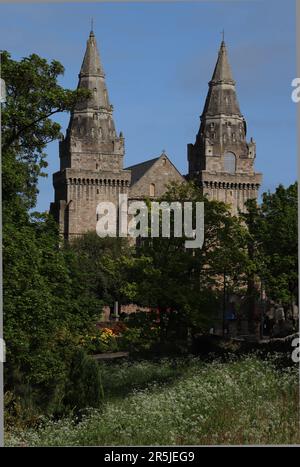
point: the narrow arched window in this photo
(152, 189)
(229, 162)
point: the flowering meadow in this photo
(185, 401)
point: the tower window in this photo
(152, 189)
(229, 162)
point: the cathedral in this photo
(91, 155)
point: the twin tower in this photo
(221, 160)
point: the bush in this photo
(84, 389)
(100, 341)
(141, 333)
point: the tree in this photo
(273, 228)
(33, 98)
(47, 304)
(185, 284)
(100, 264)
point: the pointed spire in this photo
(92, 121)
(222, 138)
(222, 72)
(222, 98)
(91, 65)
(92, 77)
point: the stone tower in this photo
(91, 155)
(222, 160)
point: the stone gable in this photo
(151, 178)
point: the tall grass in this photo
(190, 402)
(119, 379)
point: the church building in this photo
(92, 169)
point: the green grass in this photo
(119, 379)
(183, 402)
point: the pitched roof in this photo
(138, 170)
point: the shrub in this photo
(100, 341)
(141, 334)
(84, 389)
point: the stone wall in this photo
(158, 176)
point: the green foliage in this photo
(141, 333)
(100, 341)
(239, 402)
(47, 299)
(273, 228)
(33, 97)
(47, 306)
(183, 283)
(99, 264)
(54, 293)
(122, 378)
(84, 389)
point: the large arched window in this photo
(229, 162)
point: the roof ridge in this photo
(144, 162)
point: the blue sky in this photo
(158, 59)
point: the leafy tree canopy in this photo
(33, 97)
